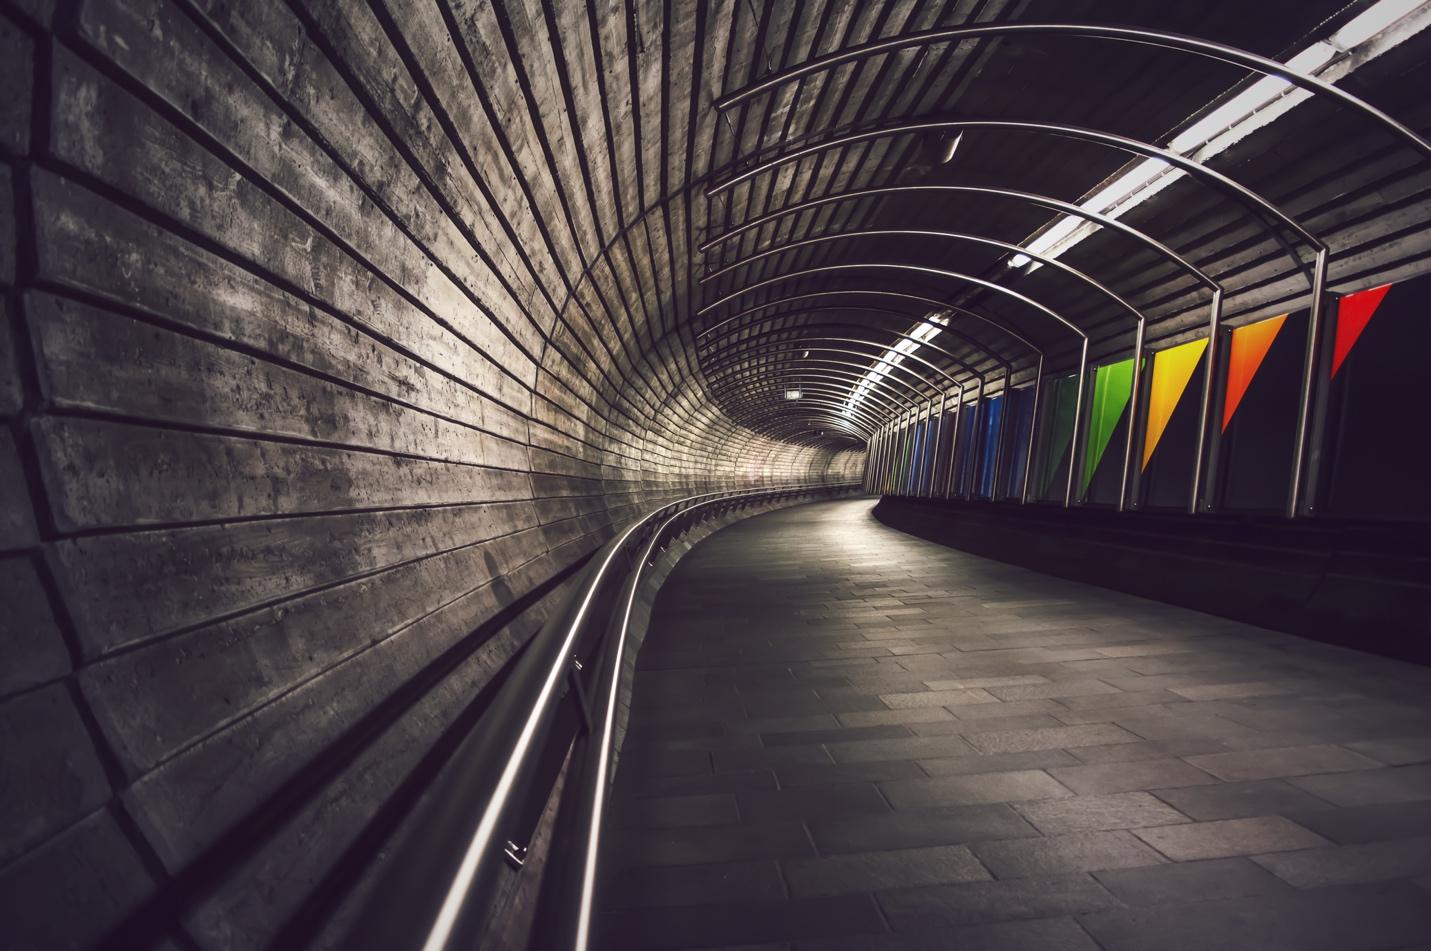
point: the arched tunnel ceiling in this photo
(744, 309)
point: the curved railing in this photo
(553, 721)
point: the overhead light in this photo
(793, 394)
(951, 149)
(1381, 27)
(923, 332)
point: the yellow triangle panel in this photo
(1172, 369)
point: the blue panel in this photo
(993, 419)
(1016, 446)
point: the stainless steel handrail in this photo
(441, 884)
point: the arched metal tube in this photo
(826, 324)
(1242, 193)
(814, 343)
(871, 292)
(856, 372)
(967, 278)
(830, 391)
(1140, 321)
(1045, 201)
(817, 408)
(1170, 41)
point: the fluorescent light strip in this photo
(923, 332)
(1380, 27)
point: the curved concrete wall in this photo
(317, 382)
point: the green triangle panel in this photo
(1112, 386)
(1062, 397)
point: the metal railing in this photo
(554, 716)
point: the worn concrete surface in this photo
(847, 737)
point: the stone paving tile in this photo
(985, 725)
(809, 802)
(1396, 751)
(673, 812)
(797, 776)
(1015, 786)
(1371, 787)
(1356, 824)
(1351, 864)
(1051, 855)
(1178, 882)
(937, 698)
(1131, 810)
(1041, 934)
(826, 705)
(657, 929)
(1360, 918)
(1240, 800)
(875, 871)
(880, 717)
(1130, 777)
(1227, 837)
(918, 747)
(708, 844)
(921, 909)
(996, 762)
(845, 735)
(1022, 741)
(952, 826)
(644, 887)
(1275, 763)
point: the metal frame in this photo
(1139, 318)
(1250, 199)
(967, 278)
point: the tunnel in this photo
(785, 475)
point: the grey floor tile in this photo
(1130, 777)
(1354, 824)
(1019, 741)
(1396, 751)
(1130, 810)
(1061, 854)
(1239, 800)
(1040, 934)
(996, 762)
(1227, 837)
(1352, 864)
(1350, 919)
(699, 884)
(877, 871)
(963, 824)
(650, 929)
(1014, 786)
(922, 909)
(810, 802)
(1371, 787)
(670, 812)
(1182, 882)
(1276, 763)
(711, 844)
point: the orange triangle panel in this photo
(1172, 369)
(1249, 346)
(1353, 314)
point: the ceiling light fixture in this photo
(923, 332)
(1381, 27)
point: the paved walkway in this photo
(844, 737)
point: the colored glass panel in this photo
(1059, 428)
(1353, 314)
(1112, 386)
(1172, 369)
(993, 418)
(1249, 347)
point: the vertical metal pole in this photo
(1133, 404)
(1033, 432)
(954, 445)
(975, 442)
(1310, 364)
(994, 492)
(938, 437)
(1204, 418)
(1077, 420)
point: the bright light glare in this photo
(923, 332)
(1379, 28)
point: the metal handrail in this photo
(480, 814)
